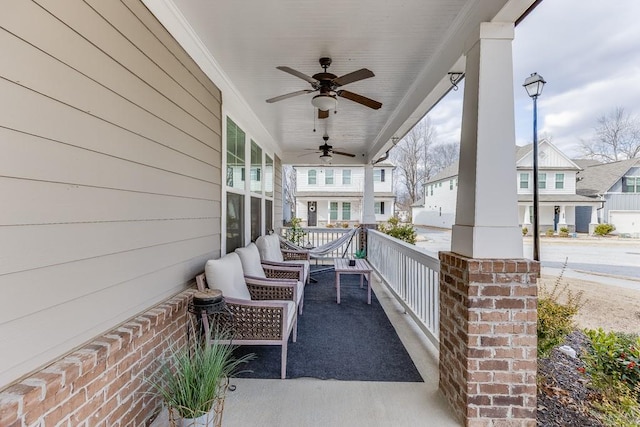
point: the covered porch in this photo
(138, 144)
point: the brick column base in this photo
(488, 358)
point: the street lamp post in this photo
(533, 85)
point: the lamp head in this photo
(534, 84)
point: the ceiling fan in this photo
(327, 84)
(327, 150)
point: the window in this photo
(346, 211)
(268, 177)
(235, 221)
(450, 184)
(431, 187)
(542, 180)
(256, 218)
(378, 175)
(631, 184)
(524, 180)
(346, 177)
(311, 177)
(256, 168)
(379, 208)
(559, 180)
(328, 177)
(235, 156)
(268, 215)
(531, 214)
(333, 211)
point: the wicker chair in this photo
(271, 253)
(262, 311)
(254, 268)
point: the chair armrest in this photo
(257, 320)
(293, 255)
(283, 270)
(272, 289)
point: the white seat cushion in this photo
(269, 248)
(300, 289)
(251, 263)
(227, 275)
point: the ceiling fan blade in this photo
(367, 102)
(360, 74)
(323, 114)
(342, 153)
(289, 95)
(297, 74)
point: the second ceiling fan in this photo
(327, 84)
(326, 151)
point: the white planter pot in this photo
(206, 420)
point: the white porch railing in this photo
(412, 275)
(318, 236)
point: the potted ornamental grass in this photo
(193, 380)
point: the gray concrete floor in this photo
(311, 402)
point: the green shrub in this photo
(616, 356)
(603, 229)
(549, 232)
(525, 231)
(613, 364)
(555, 318)
(296, 234)
(404, 232)
(564, 229)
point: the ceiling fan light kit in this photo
(324, 102)
(326, 158)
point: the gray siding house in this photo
(617, 185)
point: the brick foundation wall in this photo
(488, 359)
(104, 382)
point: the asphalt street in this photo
(605, 256)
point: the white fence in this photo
(412, 275)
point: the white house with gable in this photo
(330, 195)
(556, 189)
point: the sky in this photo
(588, 51)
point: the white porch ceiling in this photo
(410, 45)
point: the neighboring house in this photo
(437, 208)
(333, 194)
(617, 184)
(558, 200)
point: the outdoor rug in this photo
(352, 341)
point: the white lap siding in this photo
(109, 173)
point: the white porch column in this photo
(594, 215)
(487, 205)
(526, 220)
(562, 219)
(368, 203)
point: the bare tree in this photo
(444, 155)
(289, 185)
(418, 157)
(410, 157)
(617, 137)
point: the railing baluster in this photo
(412, 275)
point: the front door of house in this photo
(556, 217)
(312, 214)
